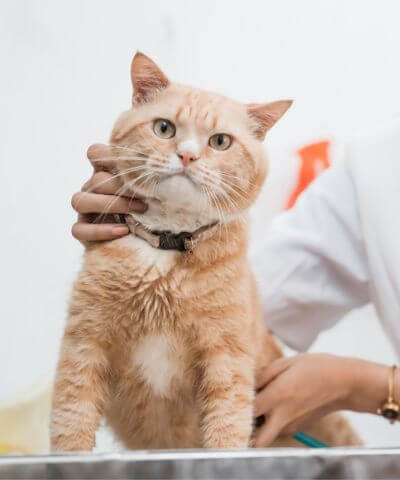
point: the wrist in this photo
(368, 387)
(396, 388)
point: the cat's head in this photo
(191, 148)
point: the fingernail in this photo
(138, 207)
(94, 149)
(121, 230)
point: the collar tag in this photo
(173, 241)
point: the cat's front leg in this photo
(226, 393)
(79, 393)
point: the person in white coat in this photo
(337, 249)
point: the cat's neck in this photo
(229, 238)
(175, 218)
(229, 241)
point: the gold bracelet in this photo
(390, 409)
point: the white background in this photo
(64, 77)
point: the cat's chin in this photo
(177, 205)
(179, 189)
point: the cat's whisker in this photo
(126, 157)
(136, 158)
(235, 182)
(222, 199)
(227, 200)
(156, 164)
(231, 203)
(146, 152)
(225, 185)
(212, 202)
(106, 211)
(134, 182)
(222, 218)
(211, 198)
(147, 180)
(112, 161)
(223, 222)
(236, 177)
(132, 149)
(124, 172)
(153, 185)
(216, 175)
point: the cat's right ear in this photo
(266, 115)
(147, 78)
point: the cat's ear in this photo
(266, 115)
(147, 78)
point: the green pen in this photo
(299, 436)
(309, 441)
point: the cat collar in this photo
(167, 240)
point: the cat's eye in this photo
(220, 141)
(164, 128)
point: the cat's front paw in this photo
(72, 443)
(227, 439)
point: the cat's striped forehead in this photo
(193, 111)
(208, 111)
(190, 109)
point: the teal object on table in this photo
(309, 441)
(299, 436)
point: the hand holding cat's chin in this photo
(98, 195)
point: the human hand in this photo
(99, 199)
(295, 391)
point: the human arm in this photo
(295, 391)
(311, 265)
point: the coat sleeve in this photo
(311, 265)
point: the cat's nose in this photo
(187, 158)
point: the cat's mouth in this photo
(182, 174)
(180, 188)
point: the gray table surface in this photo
(333, 463)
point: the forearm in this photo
(368, 385)
(296, 260)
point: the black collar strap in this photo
(166, 240)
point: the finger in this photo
(86, 185)
(272, 371)
(306, 422)
(265, 435)
(84, 202)
(88, 232)
(102, 157)
(103, 182)
(265, 401)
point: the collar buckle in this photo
(173, 241)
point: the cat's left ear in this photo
(266, 115)
(147, 78)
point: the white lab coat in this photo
(339, 247)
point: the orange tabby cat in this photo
(165, 331)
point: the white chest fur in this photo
(161, 260)
(159, 361)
